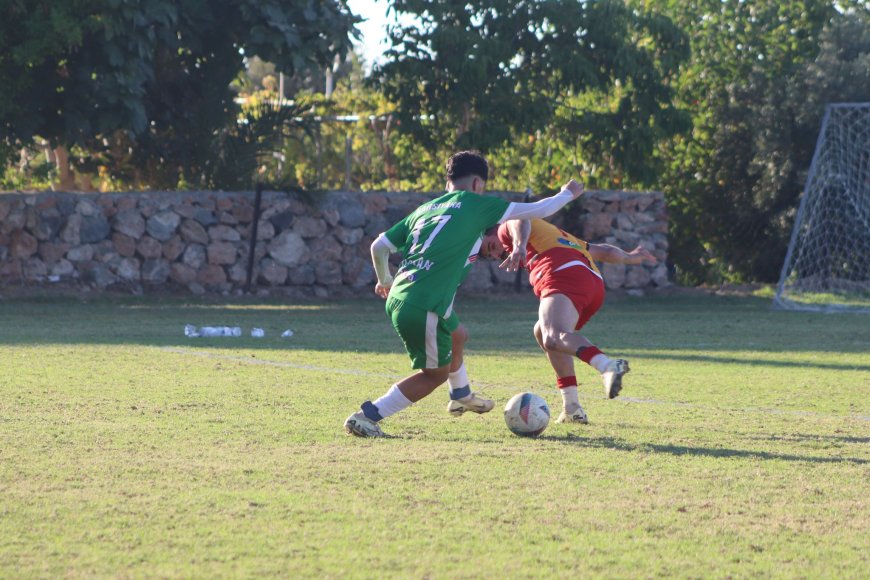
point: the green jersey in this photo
(440, 241)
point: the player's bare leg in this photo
(422, 383)
(458, 338)
(462, 399)
(364, 423)
(557, 317)
(563, 365)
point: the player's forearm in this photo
(520, 230)
(608, 253)
(538, 209)
(381, 249)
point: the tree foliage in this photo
(549, 89)
(759, 78)
(150, 76)
(483, 74)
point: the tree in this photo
(152, 76)
(482, 74)
(757, 88)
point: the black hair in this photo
(467, 163)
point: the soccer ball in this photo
(527, 415)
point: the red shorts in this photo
(579, 284)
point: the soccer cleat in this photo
(613, 377)
(576, 416)
(475, 404)
(361, 426)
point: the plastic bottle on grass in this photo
(220, 331)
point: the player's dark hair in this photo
(467, 163)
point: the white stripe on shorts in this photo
(577, 263)
(431, 340)
(450, 308)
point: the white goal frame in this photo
(799, 272)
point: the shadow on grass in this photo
(786, 437)
(698, 325)
(796, 437)
(747, 361)
(687, 451)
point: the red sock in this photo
(587, 353)
(563, 382)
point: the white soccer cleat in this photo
(474, 404)
(577, 416)
(361, 426)
(613, 377)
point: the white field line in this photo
(394, 377)
(275, 363)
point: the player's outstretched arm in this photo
(545, 207)
(519, 231)
(612, 254)
(381, 249)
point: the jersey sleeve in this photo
(398, 234)
(538, 209)
(491, 210)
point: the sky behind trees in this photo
(373, 29)
(374, 34)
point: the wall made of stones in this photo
(306, 244)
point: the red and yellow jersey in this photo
(551, 249)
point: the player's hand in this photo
(515, 260)
(640, 255)
(574, 187)
(382, 290)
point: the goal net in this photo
(827, 266)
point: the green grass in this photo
(740, 446)
(829, 299)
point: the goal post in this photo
(827, 266)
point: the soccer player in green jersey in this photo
(440, 241)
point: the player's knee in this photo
(438, 375)
(549, 340)
(460, 335)
(536, 332)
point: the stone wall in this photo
(313, 245)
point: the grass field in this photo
(740, 446)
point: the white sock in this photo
(458, 383)
(392, 402)
(600, 362)
(570, 400)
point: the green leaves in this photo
(757, 89)
(156, 71)
(482, 74)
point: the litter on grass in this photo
(207, 331)
(192, 331)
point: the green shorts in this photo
(425, 334)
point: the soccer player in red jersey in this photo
(565, 278)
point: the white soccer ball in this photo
(527, 415)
